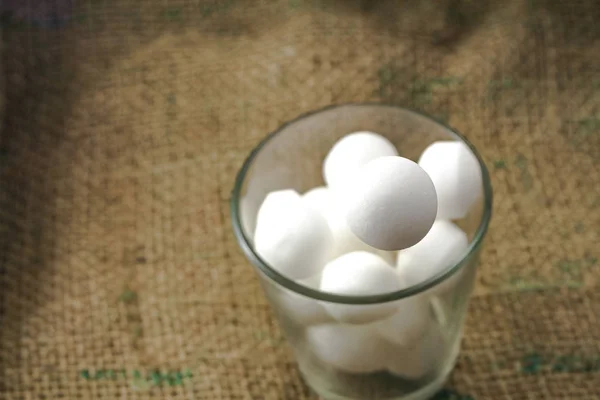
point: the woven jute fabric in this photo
(126, 122)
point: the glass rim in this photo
(249, 251)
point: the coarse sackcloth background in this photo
(126, 121)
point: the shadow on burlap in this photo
(125, 126)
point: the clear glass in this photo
(326, 350)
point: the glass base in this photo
(377, 386)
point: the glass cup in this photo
(360, 359)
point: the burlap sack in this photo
(126, 123)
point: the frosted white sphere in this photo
(349, 348)
(248, 207)
(456, 174)
(421, 358)
(390, 204)
(301, 309)
(443, 246)
(257, 188)
(292, 237)
(344, 241)
(359, 274)
(408, 324)
(352, 152)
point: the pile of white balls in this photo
(380, 224)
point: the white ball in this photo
(443, 246)
(292, 237)
(359, 274)
(407, 326)
(344, 241)
(301, 309)
(456, 174)
(349, 348)
(420, 359)
(352, 152)
(391, 203)
(256, 190)
(247, 210)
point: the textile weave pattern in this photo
(126, 123)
